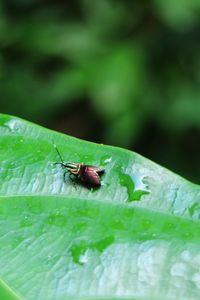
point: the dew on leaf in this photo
(188, 235)
(26, 222)
(83, 259)
(35, 207)
(79, 250)
(154, 235)
(136, 185)
(102, 244)
(146, 224)
(117, 224)
(79, 226)
(57, 219)
(168, 227)
(105, 160)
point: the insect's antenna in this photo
(58, 153)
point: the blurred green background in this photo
(125, 73)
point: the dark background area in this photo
(125, 73)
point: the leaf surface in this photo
(135, 237)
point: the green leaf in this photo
(136, 237)
(6, 293)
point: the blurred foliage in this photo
(126, 71)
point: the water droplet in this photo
(102, 244)
(77, 250)
(79, 226)
(57, 219)
(83, 259)
(35, 207)
(117, 224)
(26, 222)
(146, 224)
(129, 213)
(168, 227)
(89, 211)
(136, 185)
(105, 160)
(188, 235)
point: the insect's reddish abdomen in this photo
(89, 175)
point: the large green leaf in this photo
(136, 237)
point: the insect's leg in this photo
(73, 177)
(65, 173)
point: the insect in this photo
(87, 174)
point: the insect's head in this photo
(70, 166)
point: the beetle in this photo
(87, 174)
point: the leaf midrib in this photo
(102, 202)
